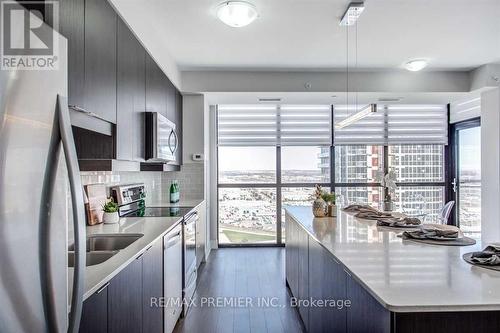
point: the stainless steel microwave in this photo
(161, 138)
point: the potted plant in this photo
(319, 206)
(330, 201)
(110, 209)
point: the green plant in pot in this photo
(330, 201)
(110, 209)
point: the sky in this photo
(264, 158)
(470, 148)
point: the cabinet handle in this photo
(338, 263)
(102, 288)
(347, 273)
(140, 255)
(149, 248)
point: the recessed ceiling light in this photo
(237, 14)
(416, 65)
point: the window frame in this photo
(332, 185)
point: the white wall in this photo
(490, 166)
(192, 127)
(388, 81)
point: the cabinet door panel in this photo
(131, 96)
(152, 288)
(95, 313)
(156, 93)
(303, 282)
(100, 59)
(327, 281)
(71, 26)
(171, 100)
(125, 299)
(365, 314)
(292, 249)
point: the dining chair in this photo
(445, 212)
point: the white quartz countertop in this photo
(403, 276)
(152, 229)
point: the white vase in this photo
(111, 218)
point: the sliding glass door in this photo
(467, 178)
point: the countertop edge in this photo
(399, 308)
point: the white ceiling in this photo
(305, 35)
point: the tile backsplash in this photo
(157, 184)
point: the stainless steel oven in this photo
(189, 262)
(161, 138)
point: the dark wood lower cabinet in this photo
(291, 256)
(95, 313)
(327, 281)
(128, 302)
(365, 313)
(152, 288)
(125, 299)
(303, 281)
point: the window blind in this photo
(394, 124)
(247, 125)
(367, 131)
(417, 124)
(305, 125)
(272, 125)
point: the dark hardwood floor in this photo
(244, 275)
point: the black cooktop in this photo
(160, 212)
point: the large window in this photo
(271, 156)
(305, 164)
(247, 165)
(247, 215)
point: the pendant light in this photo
(350, 18)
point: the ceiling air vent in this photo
(389, 99)
(270, 100)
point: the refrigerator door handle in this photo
(77, 203)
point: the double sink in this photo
(102, 247)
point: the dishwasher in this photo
(172, 270)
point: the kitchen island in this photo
(387, 284)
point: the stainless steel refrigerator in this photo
(41, 202)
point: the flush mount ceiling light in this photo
(237, 14)
(416, 65)
(352, 13)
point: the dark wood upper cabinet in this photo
(95, 313)
(130, 95)
(156, 92)
(171, 99)
(100, 59)
(72, 26)
(125, 299)
(152, 288)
